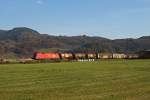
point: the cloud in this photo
(40, 2)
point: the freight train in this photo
(64, 56)
(82, 56)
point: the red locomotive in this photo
(51, 56)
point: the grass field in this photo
(102, 80)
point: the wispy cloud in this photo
(40, 2)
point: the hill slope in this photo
(23, 42)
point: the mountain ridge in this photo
(23, 42)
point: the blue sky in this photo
(105, 18)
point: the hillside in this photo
(23, 42)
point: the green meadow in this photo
(101, 80)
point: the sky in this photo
(105, 18)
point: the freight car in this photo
(132, 56)
(144, 54)
(119, 56)
(92, 55)
(105, 55)
(80, 55)
(67, 56)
